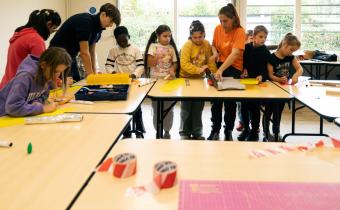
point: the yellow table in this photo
(316, 99)
(64, 155)
(204, 160)
(136, 96)
(198, 89)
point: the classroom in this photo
(196, 104)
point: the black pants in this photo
(274, 109)
(251, 112)
(229, 106)
(138, 120)
(74, 70)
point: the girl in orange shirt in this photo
(228, 45)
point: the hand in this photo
(218, 75)
(49, 107)
(203, 68)
(244, 74)
(294, 80)
(69, 81)
(172, 73)
(259, 78)
(283, 80)
(132, 76)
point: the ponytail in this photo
(291, 40)
(230, 12)
(152, 39)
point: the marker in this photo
(147, 82)
(29, 148)
(81, 102)
(6, 144)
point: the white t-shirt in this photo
(125, 60)
(165, 55)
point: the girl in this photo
(279, 65)
(195, 60)
(255, 60)
(29, 39)
(27, 92)
(162, 58)
(229, 40)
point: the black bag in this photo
(324, 56)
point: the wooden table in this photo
(316, 99)
(135, 98)
(63, 158)
(204, 160)
(198, 89)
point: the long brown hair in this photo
(230, 12)
(52, 57)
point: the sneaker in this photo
(185, 137)
(239, 126)
(139, 136)
(270, 138)
(166, 135)
(228, 135)
(253, 136)
(214, 135)
(126, 136)
(198, 137)
(243, 135)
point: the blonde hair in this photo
(291, 40)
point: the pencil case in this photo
(102, 93)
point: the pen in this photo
(6, 144)
(147, 83)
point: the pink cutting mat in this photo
(233, 195)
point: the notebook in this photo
(227, 83)
(218, 195)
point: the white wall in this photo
(15, 13)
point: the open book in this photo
(227, 83)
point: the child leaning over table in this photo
(195, 59)
(279, 66)
(127, 58)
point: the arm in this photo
(110, 62)
(186, 64)
(152, 61)
(298, 71)
(86, 57)
(235, 53)
(212, 60)
(93, 57)
(139, 64)
(282, 80)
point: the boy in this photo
(127, 58)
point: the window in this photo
(141, 17)
(277, 17)
(320, 24)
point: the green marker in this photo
(29, 148)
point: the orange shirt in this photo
(225, 42)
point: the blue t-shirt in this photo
(79, 27)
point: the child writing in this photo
(29, 39)
(279, 65)
(255, 60)
(127, 58)
(161, 56)
(27, 93)
(195, 55)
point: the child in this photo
(255, 60)
(195, 60)
(127, 58)
(240, 126)
(27, 93)
(29, 39)
(280, 63)
(161, 56)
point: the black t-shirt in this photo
(281, 67)
(255, 60)
(79, 27)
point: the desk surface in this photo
(337, 122)
(316, 98)
(135, 98)
(204, 160)
(63, 157)
(311, 62)
(199, 89)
